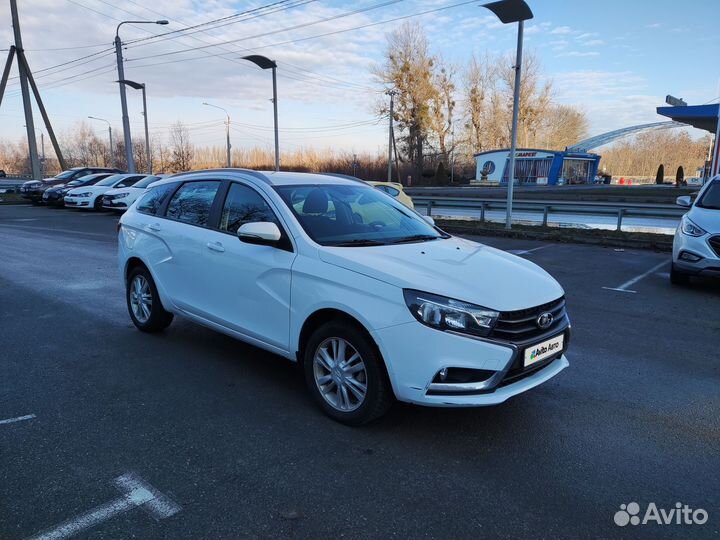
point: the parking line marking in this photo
(17, 419)
(633, 281)
(136, 493)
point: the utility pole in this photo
(25, 79)
(112, 149)
(275, 116)
(123, 97)
(227, 140)
(513, 133)
(392, 94)
(123, 103)
(452, 158)
(27, 106)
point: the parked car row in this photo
(112, 189)
(91, 188)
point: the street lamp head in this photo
(161, 21)
(510, 11)
(263, 62)
(132, 84)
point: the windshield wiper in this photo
(416, 238)
(358, 243)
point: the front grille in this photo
(521, 325)
(714, 242)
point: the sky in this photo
(615, 59)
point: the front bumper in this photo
(76, 202)
(112, 204)
(697, 246)
(415, 353)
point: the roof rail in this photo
(250, 172)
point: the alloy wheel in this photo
(141, 298)
(340, 374)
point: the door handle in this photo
(154, 226)
(216, 246)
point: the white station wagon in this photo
(373, 300)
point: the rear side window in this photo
(244, 205)
(153, 199)
(192, 202)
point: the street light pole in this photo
(227, 129)
(141, 86)
(123, 97)
(510, 11)
(392, 94)
(112, 150)
(264, 62)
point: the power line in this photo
(280, 30)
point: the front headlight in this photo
(689, 228)
(85, 194)
(448, 314)
(119, 196)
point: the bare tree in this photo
(409, 68)
(182, 149)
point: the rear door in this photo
(185, 233)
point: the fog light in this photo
(443, 374)
(687, 256)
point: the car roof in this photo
(272, 178)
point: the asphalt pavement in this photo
(222, 441)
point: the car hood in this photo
(705, 218)
(456, 268)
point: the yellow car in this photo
(394, 190)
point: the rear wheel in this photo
(345, 374)
(143, 302)
(677, 277)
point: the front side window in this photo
(153, 199)
(110, 180)
(349, 215)
(192, 202)
(244, 205)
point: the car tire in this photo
(344, 340)
(677, 277)
(139, 289)
(97, 204)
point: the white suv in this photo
(696, 246)
(369, 297)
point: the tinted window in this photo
(191, 203)
(145, 182)
(152, 201)
(389, 190)
(244, 205)
(110, 180)
(129, 181)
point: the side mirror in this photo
(684, 201)
(264, 233)
(429, 219)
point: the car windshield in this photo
(145, 182)
(66, 174)
(110, 180)
(711, 197)
(74, 183)
(348, 215)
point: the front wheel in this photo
(677, 277)
(345, 374)
(143, 302)
(97, 205)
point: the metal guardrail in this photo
(619, 210)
